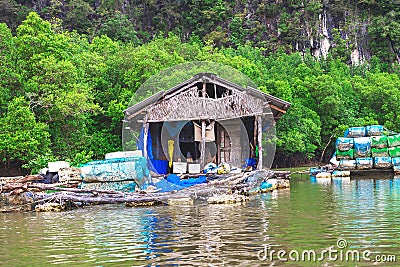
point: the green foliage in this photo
(381, 93)
(325, 93)
(78, 16)
(385, 33)
(299, 131)
(39, 162)
(22, 138)
(371, 26)
(62, 96)
(81, 158)
(120, 28)
(12, 13)
(150, 58)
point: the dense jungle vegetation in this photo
(69, 69)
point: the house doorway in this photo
(218, 144)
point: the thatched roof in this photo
(224, 100)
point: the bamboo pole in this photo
(218, 142)
(255, 137)
(203, 143)
(260, 148)
(146, 132)
(203, 133)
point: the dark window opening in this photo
(189, 148)
(213, 90)
(249, 124)
(155, 132)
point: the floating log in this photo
(51, 206)
(143, 203)
(20, 179)
(227, 199)
(282, 174)
(228, 189)
(13, 179)
(180, 201)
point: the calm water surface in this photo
(309, 216)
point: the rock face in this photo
(354, 30)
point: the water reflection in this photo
(309, 215)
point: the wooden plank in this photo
(277, 108)
(191, 85)
(260, 148)
(146, 133)
(203, 144)
(218, 141)
(372, 173)
(203, 133)
(255, 134)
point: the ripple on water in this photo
(365, 212)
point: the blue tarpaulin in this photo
(344, 143)
(174, 182)
(140, 143)
(355, 132)
(362, 147)
(140, 146)
(166, 186)
(374, 130)
(117, 170)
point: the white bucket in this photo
(55, 166)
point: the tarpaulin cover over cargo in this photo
(116, 174)
(368, 147)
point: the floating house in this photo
(205, 119)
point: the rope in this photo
(389, 131)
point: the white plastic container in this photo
(55, 166)
(179, 167)
(123, 154)
(194, 168)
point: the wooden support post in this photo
(255, 138)
(223, 147)
(146, 133)
(203, 144)
(218, 143)
(177, 151)
(203, 133)
(260, 148)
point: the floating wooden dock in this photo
(28, 195)
(378, 173)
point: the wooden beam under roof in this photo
(277, 108)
